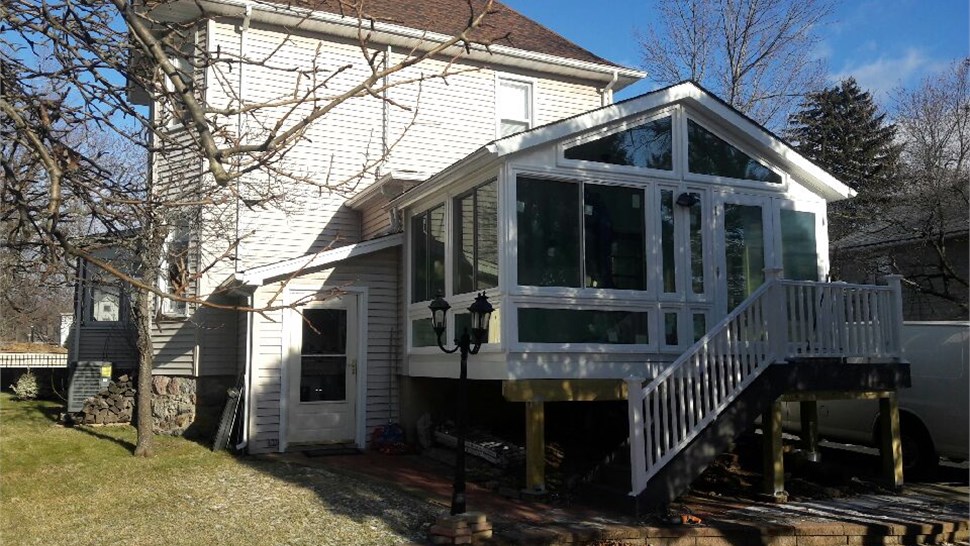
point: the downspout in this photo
(247, 18)
(606, 94)
(247, 375)
(385, 115)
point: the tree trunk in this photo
(141, 312)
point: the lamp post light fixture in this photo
(467, 343)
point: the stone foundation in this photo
(173, 404)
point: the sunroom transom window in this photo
(476, 239)
(709, 154)
(611, 252)
(649, 145)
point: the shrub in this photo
(26, 387)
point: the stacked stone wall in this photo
(173, 404)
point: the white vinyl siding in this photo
(378, 274)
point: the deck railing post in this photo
(895, 283)
(777, 313)
(638, 455)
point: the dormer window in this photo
(648, 145)
(514, 106)
(709, 154)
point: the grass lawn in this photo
(81, 485)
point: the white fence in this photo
(33, 360)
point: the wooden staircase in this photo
(687, 415)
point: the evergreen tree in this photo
(842, 130)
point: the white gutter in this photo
(409, 38)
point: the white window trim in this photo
(168, 307)
(530, 85)
(89, 284)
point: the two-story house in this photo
(626, 248)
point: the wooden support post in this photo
(890, 446)
(535, 447)
(773, 454)
(809, 417)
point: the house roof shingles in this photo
(503, 26)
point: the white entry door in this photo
(322, 377)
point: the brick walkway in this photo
(923, 514)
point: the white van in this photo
(933, 413)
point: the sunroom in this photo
(664, 253)
(610, 242)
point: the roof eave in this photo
(411, 38)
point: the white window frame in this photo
(528, 84)
(92, 278)
(168, 307)
(734, 140)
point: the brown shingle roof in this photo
(504, 26)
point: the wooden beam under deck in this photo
(564, 390)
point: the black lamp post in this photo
(467, 344)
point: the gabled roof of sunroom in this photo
(688, 93)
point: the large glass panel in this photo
(422, 334)
(697, 246)
(667, 241)
(586, 326)
(323, 357)
(707, 153)
(648, 145)
(476, 236)
(744, 251)
(428, 254)
(548, 232)
(614, 237)
(798, 249)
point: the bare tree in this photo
(68, 71)
(755, 54)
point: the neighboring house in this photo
(929, 247)
(609, 237)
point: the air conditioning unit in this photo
(87, 378)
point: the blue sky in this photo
(883, 44)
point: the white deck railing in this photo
(780, 320)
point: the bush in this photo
(26, 387)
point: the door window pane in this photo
(744, 251)
(648, 145)
(671, 336)
(798, 249)
(323, 355)
(548, 233)
(428, 254)
(614, 235)
(585, 326)
(476, 237)
(707, 153)
(696, 213)
(667, 248)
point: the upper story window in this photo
(649, 145)
(553, 215)
(428, 254)
(176, 273)
(514, 106)
(709, 154)
(476, 239)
